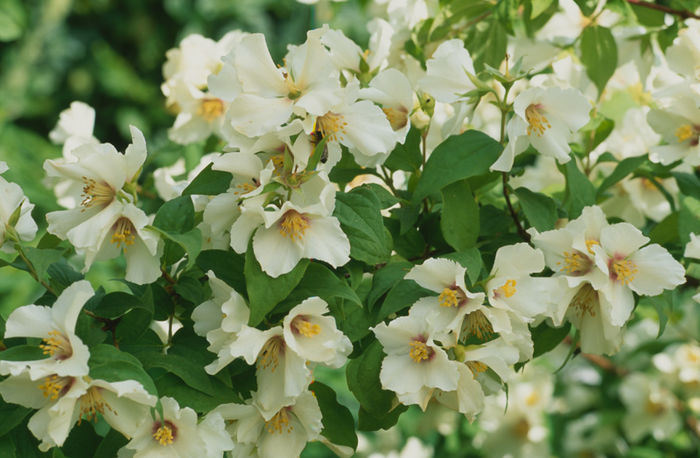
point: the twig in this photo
(32, 270)
(523, 234)
(685, 14)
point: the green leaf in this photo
(338, 424)
(116, 304)
(540, 210)
(189, 371)
(319, 281)
(112, 365)
(539, 7)
(689, 184)
(624, 168)
(403, 295)
(546, 338)
(598, 54)
(368, 421)
(226, 265)
(458, 157)
(363, 380)
(22, 353)
(386, 198)
(406, 157)
(62, 275)
(317, 154)
(688, 218)
(209, 182)
(171, 385)
(175, 216)
(385, 278)
(41, 259)
(111, 444)
(579, 191)
(459, 219)
(190, 241)
(264, 292)
(471, 260)
(666, 231)
(359, 213)
(13, 19)
(12, 415)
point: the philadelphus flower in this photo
(67, 354)
(177, 434)
(74, 128)
(15, 214)
(415, 365)
(677, 120)
(684, 56)
(64, 400)
(650, 408)
(545, 118)
(447, 75)
(285, 433)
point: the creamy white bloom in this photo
(13, 200)
(178, 434)
(677, 120)
(683, 56)
(74, 128)
(650, 408)
(66, 354)
(545, 118)
(447, 75)
(62, 401)
(392, 90)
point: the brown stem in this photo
(685, 14)
(523, 234)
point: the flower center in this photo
(654, 408)
(96, 193)
(164, 433)
(521, 428)
(537, 122)
(301, 325)
(211, 108)
(92, 403)
(585, 301)
(419, 351)
(332, 125)
(279, 423)
(684, 132)
(576, 263)
(476, 324)
(448, 298)
(476, 367)
(124, 233)
(57, 346)
(590, 244)
(623, 270)
(269, 355)
(508, 288)
(398, 117)
(293, 225)
(55, 386)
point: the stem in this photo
(386, 177)
(32, 270)
(685, 14)
(523, 234)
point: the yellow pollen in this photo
(448, 298)
(279, 423)
(332, 125)
(624, 270)
(92, 403)
(585, 301)
(293, 225)
(684, 132)
(55, 386)
(476, 366)
(211, 108)
(521, 428)
(301, 325)
(398, 117)
(532, 399)
(164, 435)
(537, 122)
(654, 408)
(269, 355)
(245, 188)
(419, 351)
(124, 233)
(96, 193)
(590, 244)
(575, 263)
(476, 324)
(56, 346)
(508, 288)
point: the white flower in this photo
(313, 335)
(74, 128)
(684, 56)
(447, 75)
(677, 119)
(692, 248)
(63, 400)
(414, 365)
(178, 434)
(545, 118)
(650, 408)
(392, 90)
(285, 433)
(13, 200)
(67, 354)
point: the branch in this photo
(522, 232)
(685, 14)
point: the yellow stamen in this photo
(124, 233)
(508, 288)
(476, 324)
(293, 225)
(448, 298)
(210, 108)
(585, 301)
(521, 428)
(576, 263)
(476, 367)
(537, 122)
(684, 132)
(96, 193)
(164, 433)
(269, 355)
(279, 423)
(654, 408)
(57, 346)
(92, 403)
(332, 125)
(590, 244)
(532, 399)
(624, 271)
(301, 325)
(398, 117)
(420, 351)
(55, 386)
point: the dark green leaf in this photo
(62, 275)
(598, 54)
(190, 241)
(111, 444)
(175, 216)
(22, 353)
(546, 338)
(403, 295)
(226, 265)
(459, 220)
(12, 415)
(666, 231)
(688, 218)
(319, 281)
(579, 190)
(112, 365)
(458, 157)
(385, 278)
(116, 304)
(689, 184)
(338, 424)
(363, 380)
(359, 214)
(373, 422)
(471, 259)
(540, 210)
(624, 168)
(209, 182)
(407, 156)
